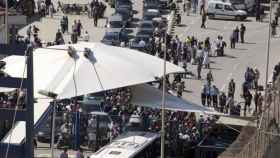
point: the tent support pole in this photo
(53, 129)
(162, 145)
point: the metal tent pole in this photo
(6, 22)
(162, 145)
(53, 129)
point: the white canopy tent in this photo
(148, 96)
(111, 67)
(55, 71)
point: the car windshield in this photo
(116, 24)
(146, 25)
(229, 7)
(111, 37)
(123, 2)
(144, 32)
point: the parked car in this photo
(150, 14)
(91, 103)
(147, 25)
(224, 10)
(126, 4)
(126, 14)
(44, 132)
(115, 21)
(115, 37)
(151, 4)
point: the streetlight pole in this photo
(267, 66)
(6, 22)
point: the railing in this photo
(261, 143)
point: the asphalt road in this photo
(252, 53)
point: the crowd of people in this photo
(183, 129)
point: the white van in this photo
(224, 10)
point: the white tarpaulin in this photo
(113, 67)
(55, 71)
(148, 96)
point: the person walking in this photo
(232, 40)
(63, 24)
(95, 15)
(79, 27)
(51, 10)
(59, 37)
(206, 61)
(209, 76)
(79, 154)
(222, 102)
(214, 95)
(64, 154)
(242, 32)
(74, 37)
(202, 7)
(273, 28)
(203, 95)
(66, 23)
(203, 18)
(86, 37)
(256, 101)
(199, 68)
(236, 34)
(231, 88)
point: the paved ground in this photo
(233, 65)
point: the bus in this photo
(131, 145)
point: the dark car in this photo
(115, 37)
(147, 25)
(125, 13)
(143, 31)
(115, 21)
(143, 34)
(126, 4)
(151, 4)
(44, 132)
(150, 14)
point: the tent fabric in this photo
(113, 67)
(148, 96)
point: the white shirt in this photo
(142, 43)
(86, 37)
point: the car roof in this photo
(110, 33)
(99, 113)
(218, 2)
(113, 30)
(146, 22)
(115, 17)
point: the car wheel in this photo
(211, 16)
(238, 18)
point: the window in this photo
(228, 7)
(219, 6)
